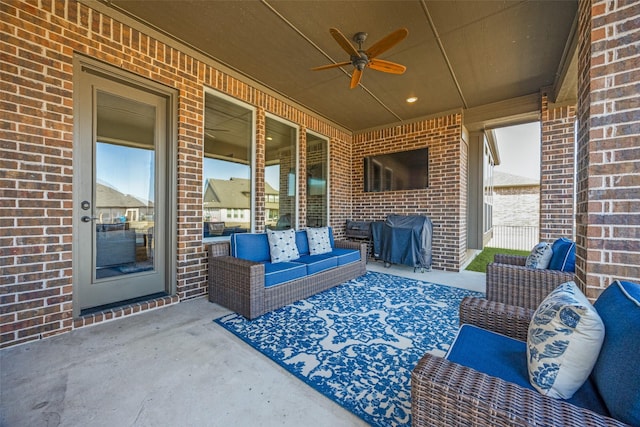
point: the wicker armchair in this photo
(510, 282)
(444, 393)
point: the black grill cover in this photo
(403, 239)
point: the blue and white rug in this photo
(357, 343)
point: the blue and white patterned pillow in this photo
(540, 256)
(319, 242)
(564, 340)
(282, 245)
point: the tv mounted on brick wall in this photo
(403, 170)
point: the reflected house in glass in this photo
(124, 229)
(113, 206)
(229, 201)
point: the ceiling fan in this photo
(361, 58)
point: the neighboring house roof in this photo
(502, 179)
(233, 193)
(109, 197)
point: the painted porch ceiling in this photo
(458, 54)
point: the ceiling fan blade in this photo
(326, 67)
(344, 42)
(386, 66)
(387, 43)
(355, 78)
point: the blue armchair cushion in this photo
(564, 340)
(617, 371)
(564, 255)
(503, 357)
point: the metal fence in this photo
(520, 237)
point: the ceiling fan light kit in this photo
(361, 58)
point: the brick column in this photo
(259, 195)
(557, 172)
(608, 160)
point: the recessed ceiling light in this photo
(412, 99)
(269, 138)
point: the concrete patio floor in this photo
(168, 367)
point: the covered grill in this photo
(403, 239)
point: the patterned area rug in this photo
(357, 343)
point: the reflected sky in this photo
(127, 169)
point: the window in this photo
(317, 180)
(228, 143)
(281, 165)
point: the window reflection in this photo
(227, 167)
(317, 178)
(280, 174)
(124, 206)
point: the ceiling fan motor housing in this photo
(360, 61)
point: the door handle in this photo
(86, 218)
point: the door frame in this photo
(83, 64)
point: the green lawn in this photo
(480, 262)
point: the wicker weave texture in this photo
(447, 394)
(510, 282)
(238, 284)
(504, 319)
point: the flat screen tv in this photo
(403, 170)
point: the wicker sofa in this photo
(444, 393)
(239, 284)
(510, 282)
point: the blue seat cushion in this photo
(281, 272)
(250, 246)
(500, 356)
(345, 256)
(616, 373)
(318, 263)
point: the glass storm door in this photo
(120, 209)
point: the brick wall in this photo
(557, 171)
(608, 158)
(38, 46)
(445, 199)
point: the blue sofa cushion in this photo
(564, 255)
(345, 256)
(250, 246)
(302, 243)
(616, 373)
(318, 263)
(503, 357)
(280, 272)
